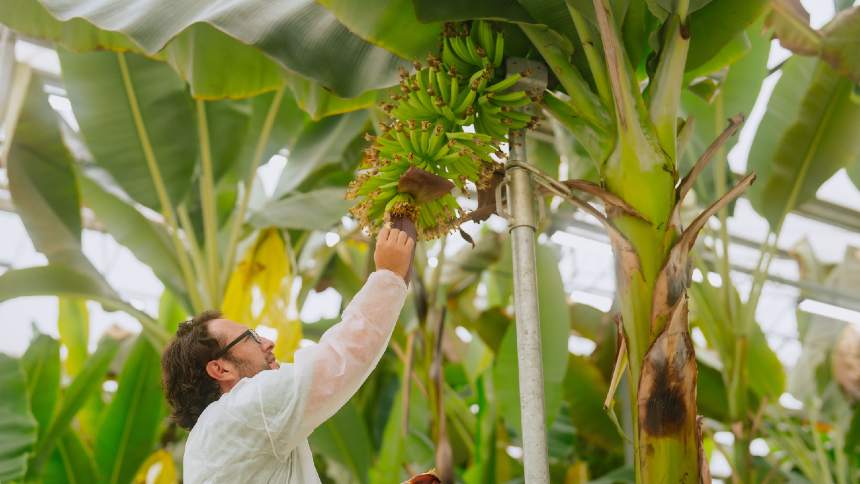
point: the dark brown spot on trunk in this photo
(665, 411)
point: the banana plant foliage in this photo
(178, 106)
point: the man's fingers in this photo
(410, 243)
(402, 237)
(383, 234)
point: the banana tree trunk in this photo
(633, 137)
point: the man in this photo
(250, 417)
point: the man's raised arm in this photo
(348, 352)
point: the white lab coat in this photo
(258, 431)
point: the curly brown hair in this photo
(187, 386)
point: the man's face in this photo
(246, 357)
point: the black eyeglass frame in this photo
(250, 332)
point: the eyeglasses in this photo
(253, 334)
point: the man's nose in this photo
(267, 344)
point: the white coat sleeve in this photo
(349, 351)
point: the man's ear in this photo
(218, 370)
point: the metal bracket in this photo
(502, 204)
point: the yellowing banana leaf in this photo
(73, 323)
(158, 468)
(289, 336)
(265, 268)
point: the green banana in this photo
(505, 83)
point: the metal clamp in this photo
(502, 190)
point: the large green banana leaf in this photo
(134, 112)
(216, 65)
(286, 128)
(315, 210)
(322, 143)
(713, 316)
(42, 183)
(301, 36)
(585, 389)
(18, 428)
(712, 26)
(58, 280)
(132, 422)
(30, 17)
(737, 93)
(41, 364)
(808, 133)
(148, 240)
(71, 463)
(390, 24)
(555, 330)
(836, 42)
(320, 102)
(344, 439)
(83, 387)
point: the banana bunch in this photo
(457, 156)
(435, 92)
(468, 50)
(428, 116)
(497, 111)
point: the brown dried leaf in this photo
(426, 478)
(674, 278)
(735, 122)
(423, 185)
(611, 201)
(617, 370)
(468, 238)
(789, 22)
(486, 202)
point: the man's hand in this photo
(394, 251)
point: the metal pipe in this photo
(522, 229)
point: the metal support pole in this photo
(522, 229)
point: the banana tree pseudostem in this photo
(633, 137)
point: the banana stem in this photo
(207, 197)
(625, 95)
(239, 215)
(196, 253)
(723, 214)
(667, 83)
(595, 61)
(160, 188)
